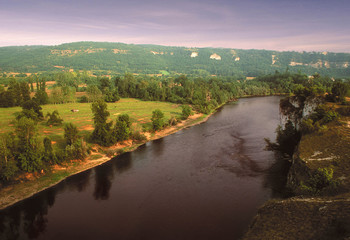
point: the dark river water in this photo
(204, 182)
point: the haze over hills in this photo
(155, 59)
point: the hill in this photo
(154, 59)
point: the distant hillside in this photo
(153, 59)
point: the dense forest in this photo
(118, 58)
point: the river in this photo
(204, 182)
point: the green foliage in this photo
(121, 131)
(339, 91)
(41, 97)
(125, 118)
(49, 155)
(35, 106)
(140, 59)
(29, 156)
(63, 94)
(287, 138)
(157, 120)
(320, 181)
(8, 164)
(84, 99)
(186, 111)
(70, 133)
(77, 150)
(102, 132)
(137, 136)
(173, 121)
(112, 96)
(316, 121)
(93, 93)
(54, 119)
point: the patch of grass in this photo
(164, 72)
(139, 111)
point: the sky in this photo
(293, 25)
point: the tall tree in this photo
(101, 134)
(28, 148)
(157, 119)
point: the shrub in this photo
(157, 119)
(186, 111)
(77, 150)
(138, 136)
(54, 119)
(173, 121)
(320, 181)
(84, 99)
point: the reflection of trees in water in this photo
(103, 181)
(30, 215)
(123, 162)
(79, 182)
(276, 176)
(105, 174)
(28, 218)
(158, 146)
(9, 226)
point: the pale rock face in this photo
(274, 59)
(295, 64)
(194, 54)
(215, 56)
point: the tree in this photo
(49, 156)
(121, 129)
(157, 119)
(112, 96)
(93, 93)
(70, 133)
(54, 119)
(8, 164)
(186, 111)
(28, 147)
(33, 105)
(101, 134)
(41, 97)
(339, 91)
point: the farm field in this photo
(140, 113)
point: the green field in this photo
(139, 111)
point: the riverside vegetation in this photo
(39, 142)
(315, 136)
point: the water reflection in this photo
(123, 163)
(103, 181)
(205, 182)
(276, 177)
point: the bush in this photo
(54, 119)
(138, 137)
(78, 150)
(307, 126)
(157, 120)
(173, 121)
(84, 99)
(321, 181)
(186, 111)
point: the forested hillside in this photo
(153, 59)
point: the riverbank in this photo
(31, 184)
(313, 213)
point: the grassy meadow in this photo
(139, 111)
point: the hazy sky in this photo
(310, 25)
